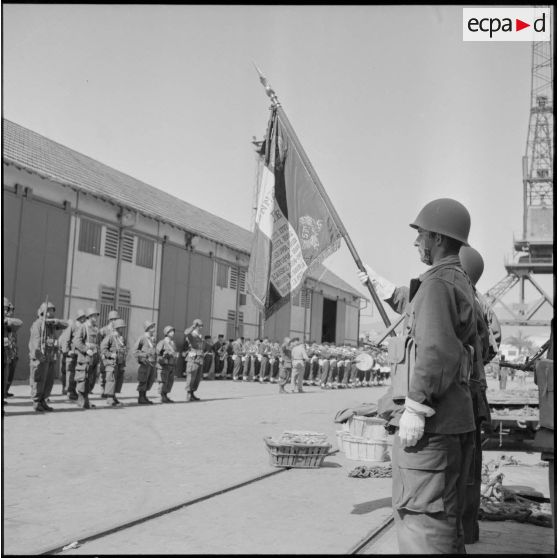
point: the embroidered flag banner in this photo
(294, 229)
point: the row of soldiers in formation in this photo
(83, 353)
(325, 365)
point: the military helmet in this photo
(147, 325)
(43, 307)
(80, 314)
(472, 263)
(445, 216)
(7, 303)
(113, 315)
(119, 323)
(91, 312)
(197, 322)
(168, 329)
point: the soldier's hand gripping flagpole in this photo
(275, 104)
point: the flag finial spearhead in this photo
(268, 89)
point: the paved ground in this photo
(72, 473)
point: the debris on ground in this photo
(71, 546)
(371, 471)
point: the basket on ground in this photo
(371, 428)
(304, 456)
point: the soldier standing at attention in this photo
(68, 359)
(166, 363)
(113, 353)
(429, 399)
(103, 332)
(237, 348)
(43, 353)
(194, 359)
(85, 343)
(299, 357)
(145, 351)
(10, 326)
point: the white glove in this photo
(411, 423)
(383, 287)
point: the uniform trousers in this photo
(146, 376)
(114, 379)
(237, 366)
(353, 373)
(332, 371)
(102, 376)
(11, 367)
(428, 492)
(284, 374)
(325, 371)
(264, 368)
(71, 374)
(41, 378)
(193, 374)
(297, 375)
(86, 374)
(63, 372)
(208, 366)
(165, 377)
(254, 368)
(274, 368)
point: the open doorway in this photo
(329, 321)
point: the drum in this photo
(364, 362)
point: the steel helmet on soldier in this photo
(445, 216)
(167, 329)
(91, 312)
(119, 323)
(472, 263)
(197, 322)
(113, 315)
(43, 307)
(147, 325)
(80, 314)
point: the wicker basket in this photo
(362, 449)
(303, 456)
(371, 428)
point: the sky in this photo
(391, 106)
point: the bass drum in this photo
(364, 362)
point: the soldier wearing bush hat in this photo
(145, 351)
(429, 400)
(113, 353)
(194, 359)
(166, 363)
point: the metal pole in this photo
(283, 117)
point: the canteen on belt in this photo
(364, 362)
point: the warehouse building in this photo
(85, 234)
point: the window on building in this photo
(144, 252)
(127, 247)
(90, 236)
(111, 242)
(222, 275)
(231, 332)
(242, 280)
(233, 278)
(107, 303)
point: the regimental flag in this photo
(294, 229)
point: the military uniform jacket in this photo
(442, 322)
(145, 350)
(37, 336)
(113, 349)
(166, 353)
(286, 355)
(65, 341)
(86, 337)
(196, 343)
(10, 327)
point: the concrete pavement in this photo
(72, 473)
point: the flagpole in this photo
(275, 103)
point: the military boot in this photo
(142, 399)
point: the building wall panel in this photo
(316, 316)
(340, 323)
(11, 213)
(41, 267)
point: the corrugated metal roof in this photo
(47, 158)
